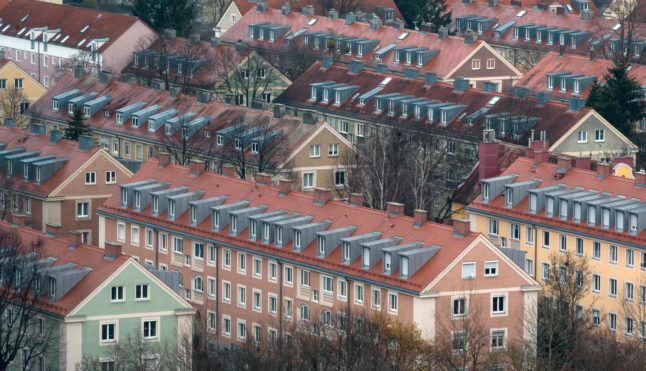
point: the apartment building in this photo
(91, 299)
(275, 31)
(47, 39)
(50, 180)
(17, 90)
(257, 260)
(525, 34)
(357, 100)
(546, 208)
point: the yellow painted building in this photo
(546, 209)
(18, 90)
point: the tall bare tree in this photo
(12, 103)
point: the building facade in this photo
(18, 90)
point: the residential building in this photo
(386, 10)
(17, 90)
(47, 39)
(134, 124)
(549, 209)
(357, 100)
(53, 181)
(277, 33)
(525, 35)
(228, 73)
(92, 299)
(256, 260)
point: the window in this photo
(242, 262)
(211, 286)
(198, 284)
(376, 298)
(629, 291)
(339, 178)
(612, 287)
(579, 246)
(459, 341)
(612, 321)
(475, 64)
(150, 330)
(134, 235)
(327, 284)
(630, 257)
(596, 317)
(308, 180)
(83, 209)
(126, 149)
(546, 239)
(629, 324)
(596, 250)
(315, 150)
(272, 271)
(498, 304)
(226, 258)
(108, 332)
(117, 294)
(289, 275)
(582, 136)
(343, 289)
(392, 302)
(257, 300)
(612, 251)
(141, 292)
(304, 312)
(163, 242)
(599, 135)
(226, 292)
(529, 266)
(3, 86)
(358, 293)
(529, 236)
(514, 231)
(333, 150)
(343, 126)
(242, 296)
(242, 330)
(546, 271)
(450, 147)
(273, 304)
(121, 232)
(110, 177)
(491, 64)
(178, 245)
(459, 307)
(257, 267)
(493, 227)
(596, 283)
(562, 243)
(226, 326)
(491, 269)
(18, 83)
(326, 318)
(305, 278)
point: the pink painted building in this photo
(256, 259)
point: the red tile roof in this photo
(15, 138)
(452, 49)
(536, 78)
(72, 22)
(553, 117)
(369, 6)
(541, 4)
(573, 177)
(339, 213)
(83, 256)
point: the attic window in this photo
(616, 27)
(312, 21)
(85, 28)
(385, 81)
(6, 27)
(81, 42)
(493, 100)
(65, 39)
(521, 13)
(402, 36)
(21, 31)
(24, 18)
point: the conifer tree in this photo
(76, 127)
(161, 14)
(417, 11)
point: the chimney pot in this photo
(18, 219)
(228, 170)
(394, 208)
(356, 199)
(285, 185)
(196, 168)
(112, 250)
(419, 217)
(75, 238)
(603, 169)
(263, 179)
(321, 196)
(461, 227)
(53, 229)
(640, 179)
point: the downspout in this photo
(217, 294)
(535, 252)
(280, 297)
(156, 247)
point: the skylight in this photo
(81, 42)
(402, 36)
(6, 27)
(569, 8)
(385, 81)
(493, 100)
(312, 21)
(24, 18)
(58, 36)
(521, 13)
(616, 27)
(85, 28)
(99, 15)
(65, 39)
(21, 31)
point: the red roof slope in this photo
(71, 21)
(553, 117)
(369, 6)
(452, 49)
(15, 138)
(83, 256)
(339, 213)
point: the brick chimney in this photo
(284, 186)
(640, 179)
(461, 227)
(419, 217)
(529, 153)
(75, 238)
(603, 169)
(19, 220)
(564, 163)
(488, 155)
(53, 229)
(263, 179)
(163, 158)
(112, 250)
(196, 168)
(394, 208)
(356, 199)
(228, 170)
(583, 163)
(540, 156)
(321, 196)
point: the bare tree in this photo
(292, 60)
(215, 9)
(25, 334)
(184, 142)
(12, 103)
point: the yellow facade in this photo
(12, 92)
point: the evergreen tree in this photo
(620, 99)
(76, 127)
(161, 14)
(417, 11)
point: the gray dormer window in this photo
(193, 214)
(297, 239)
(219, 140)
(55, 105)
(404, 109)
(577, 86)
(321, 245)
(550, 82)
(237, 144)
(539, 37)
(86, 111)
(37, 174)
(408, 58)
(516, 33)
(509, 197)
(119, 118)
(562, 39)
(619, 221)
(387, 261)
(250, 31)
(216, 219)
(485, 191)
(313, 93)
(605, 214)
(420, 60)
(378, 105)
(155, 204)
(184, 132)
(135, 122)
(279, 234)
(261, 34)
(326, 93)
(234, 223)
(124, 196)
(592, 216)
(533, 200)
(52, 289)
(404, 266)
(418, 112)
(443, 116)
(577, 211)
(528, 34)
(346, 250)
(70, 108)
(550, 38)
(25, 171)
(171, 209)
(365, 257)
(549, 207)
(563, 210)
(633, 224)
(252, 228)
(265, 231)
(137, 199)
(168, 129)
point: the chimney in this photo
(520, 92)
(55, 136)
(583, 163)
(195, 168)
(203, 96)
(78, 71)
(411, 73)
(9, 122)
(560, 10)
(112, 250)
(194, 38)
(263, 179)
(564, 163)
(460, 84)
(375, 23)
(603, 169)
(461, 227)
(539, 156)
(105, 77)
(75, 239)
(217, 32)
(285, 9)
(308, 10)
(349, 18)
(215, 41)
(228, 170)
(19, 220)
(430, 78)
(355, 66)
(425, 27)
(38, 129)
(529, 153)
(576, 104)
(488, 155)
(241, 47)
(332, 14)
(326, 62)
(442, 32)
(586, 15)
(284, 186)
(382, 68)
(169, 33)
(53, 229)
(394, 208)
(321, 196)
(356, 199)
(163, 159)
(173, 91)
(640, 179)
(261, 6)
(419, 217)
(399, 24)
(542, 97)
(470, 37)
(493, 3)
(86, 142)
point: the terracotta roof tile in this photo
(368, 6)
